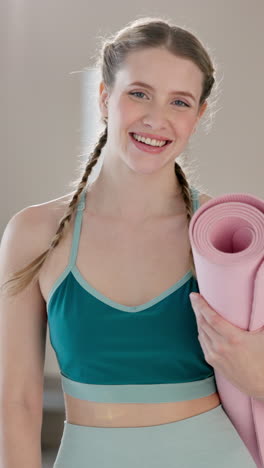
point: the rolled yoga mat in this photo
(227, 240)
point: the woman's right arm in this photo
(23, 327)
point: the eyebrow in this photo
(145, 85)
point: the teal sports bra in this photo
(109, 352)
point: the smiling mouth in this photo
(146, 148)
(154, 146)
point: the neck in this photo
(131, 196)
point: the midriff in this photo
(90, 413)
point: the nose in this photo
(155, 117)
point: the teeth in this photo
(149, 141)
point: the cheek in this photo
(128, 111)
(121, 114)
(184, 124)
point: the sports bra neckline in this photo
(86, 286)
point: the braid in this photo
(187, 197)
(76, 197)
(20, 279)
(138, 35)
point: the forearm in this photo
(20, 438)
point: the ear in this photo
(103, 99)
(200, 114)
(203, 109)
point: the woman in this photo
(112, 276)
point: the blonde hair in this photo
(139, 34)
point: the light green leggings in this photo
(208, 440)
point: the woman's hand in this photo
(236, 353)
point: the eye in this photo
(185, 105)
(136, 92)
(133, 93)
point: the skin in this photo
(135, 185)
(234, 352)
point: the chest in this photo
(129, 264)
(133, 264)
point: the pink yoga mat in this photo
(227, 241)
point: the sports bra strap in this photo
(78, 222)
(195, 198)
(77, 229)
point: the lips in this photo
(148, 148)
(152, 137)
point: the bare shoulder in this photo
(32, 228)
(50, 209)
(43, 218)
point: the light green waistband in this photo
(147, 393)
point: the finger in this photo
(217, 322)
(204, 342)
(209, 331)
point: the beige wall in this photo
(43, 112)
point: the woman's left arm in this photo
(236, 353)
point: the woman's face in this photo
(157, 106)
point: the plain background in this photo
(45, 119)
